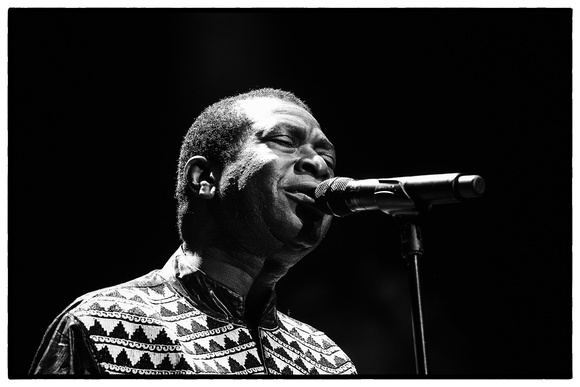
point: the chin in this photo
(308, 235)
(299, 228)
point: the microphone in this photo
(397, 196)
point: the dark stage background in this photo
(100, 99)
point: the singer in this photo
(246, 215)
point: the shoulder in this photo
(135, 299)
(133, 327)
(306, 333)
(318, 352)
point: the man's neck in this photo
(236, 271)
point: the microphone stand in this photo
(412, 251)
(405, 199)
(397, 203)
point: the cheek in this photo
(249, 165)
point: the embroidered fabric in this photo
(180, 322)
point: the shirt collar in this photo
(211, 296)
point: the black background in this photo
(99, 101)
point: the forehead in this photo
(266, 113)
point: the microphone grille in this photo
(320, 191)
(335, 184)
(330, 196)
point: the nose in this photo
(313, 164)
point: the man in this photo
(246, 173)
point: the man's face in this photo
(264, 192)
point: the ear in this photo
(199, 177)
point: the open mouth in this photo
(311, 217)
(305, 206)
(300, 197)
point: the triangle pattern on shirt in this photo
(153, 330)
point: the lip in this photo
(307, 188)
(302, 192)
(303, 195)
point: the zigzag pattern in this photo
(153, 330)
(302, 350)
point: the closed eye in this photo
(330, 162)
(285, 141)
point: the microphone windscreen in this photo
(330, 196)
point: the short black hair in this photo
(217, 134)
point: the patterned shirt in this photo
(177, 321)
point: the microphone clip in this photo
(394, 200)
